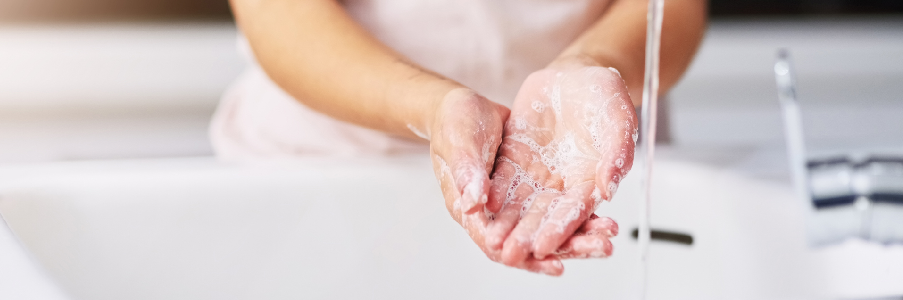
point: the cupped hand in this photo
(464, 138)
(567, 144)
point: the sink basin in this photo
(331, 228)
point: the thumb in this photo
(472, 180)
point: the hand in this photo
(568, 143)
(463, 142)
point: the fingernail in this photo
(555, 270)
(612, 226)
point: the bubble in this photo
(572, 215)
(538, 106)
(527, 204)
(597, 197)
(619, 163)
(623, 106)
(564, 148)
(553, 204)
(520, 123)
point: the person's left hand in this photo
(566, 146)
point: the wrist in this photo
(430, 112)
(467, 101)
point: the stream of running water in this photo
(647, 126)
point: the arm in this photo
(314, 51)
(618, 39)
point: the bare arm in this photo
(618, 40)
(314, 51)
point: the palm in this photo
(567, 144)
(463, 146)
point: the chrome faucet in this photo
(849, 195)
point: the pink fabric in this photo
(488, 45)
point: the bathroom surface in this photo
(109, 189)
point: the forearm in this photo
(314, 51)
(618, 40)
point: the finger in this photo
(447, 186)
(472, 179)
(562, 221)
(518, 190)
(599, 226)
(504, 177)
(549, 266)
(519, 243)
(475, 224)
(507, 219)
(585, 246)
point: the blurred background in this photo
(97, 79)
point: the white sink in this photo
(378, 229)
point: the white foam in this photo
(612, 187)
(520, 123)
(538, 106)
(555, 99)
(519, 178)
(597, 197)
(487, 150)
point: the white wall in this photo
(849, 76)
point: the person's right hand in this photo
(464, 138)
